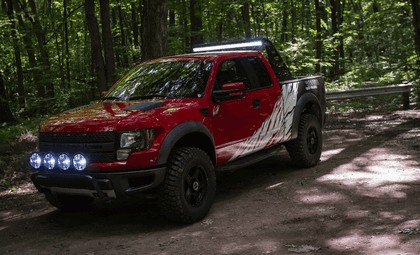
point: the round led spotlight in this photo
(35, 160)
(79, 162)
(49, 161)
(64, 161)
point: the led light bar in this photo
(228, 46)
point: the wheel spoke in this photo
(312, 141)
(195, 186)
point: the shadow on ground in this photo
(361, 199)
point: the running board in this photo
(250, 159)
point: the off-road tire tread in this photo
(169, 199)
(296, 147)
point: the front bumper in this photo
(100, 185)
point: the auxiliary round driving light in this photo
(35, 160)
(64, 161)
(79, 162)
(49, 161)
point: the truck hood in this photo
(115, 116)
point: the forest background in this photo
(56, 55)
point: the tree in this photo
(196, 23)
(318, 40)
(153, 29)
(5, 112)
(95, 44)
(17, 53)
(415, 6)
(246, 18)
(42, 42)
(108, 42)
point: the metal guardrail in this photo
(403, 89)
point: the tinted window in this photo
(263, 78)
(231, 71)
(170, 79)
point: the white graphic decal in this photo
(276, 128)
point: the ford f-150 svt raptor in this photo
(169, 124)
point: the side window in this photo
(263, 78)
(231, 71)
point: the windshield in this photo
(164, 79)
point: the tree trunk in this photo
(135, 24)
(284, 24)
(95, 44)
(184, 25)
(42, 42)
(66, 41)
(154, 29)
(246, 19)
(335, 69)
(318, 43)
(107, 41)
(123, 35)
(5, 112)
(340, 37)
(196, 23)
(16, 49)
(36, 74)
(219, 25)
(415, 6)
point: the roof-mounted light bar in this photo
(228, 46)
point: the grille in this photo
(77, 137)
(99, 147)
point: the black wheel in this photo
(305, 150)
(69, 203)
(188, 190)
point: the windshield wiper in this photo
(149, 96)
(113, 98)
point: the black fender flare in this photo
(176, 134)
(304, 100)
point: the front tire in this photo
(305, 150)
(188, 190)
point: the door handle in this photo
(256, 103)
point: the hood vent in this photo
(144, 106)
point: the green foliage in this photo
(10, 132)
(376, 38)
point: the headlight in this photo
(79, 162)
(137, 140)
(49, 161)
(64, 161)
(35, 160)
(134, 141)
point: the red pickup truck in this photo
(169, 124)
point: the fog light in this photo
(64, 161)
(79, 162)
(123, 154)
(49, 161)
(35, 160)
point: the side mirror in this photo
(230, 91)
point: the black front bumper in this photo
(100, 185)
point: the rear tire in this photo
(188, 190)
(305, 150)
(69, 203)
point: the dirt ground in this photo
(363, 198)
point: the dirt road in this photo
(363, 198)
